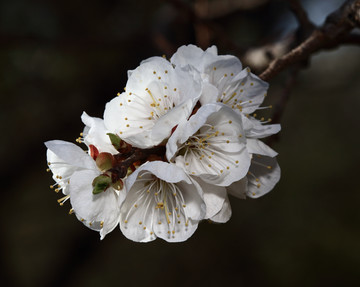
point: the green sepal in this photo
(101, 183)
(115, 140)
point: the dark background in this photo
(60, 58)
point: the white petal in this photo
(255, 129)
(71, 154)
(158, 208)
(211, 145)
(61, 171)
(258, 147)
(95, 134)
(97, 211)
(214, 197)
(191, 55)
(244, 92)
(264, 173)
(238, 188)
(224, 214)
(212, 50)
(162, 128)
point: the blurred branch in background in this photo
(205, 9)
(334, 32)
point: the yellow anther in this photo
(125, 221)
(140, 222)
(101, 224)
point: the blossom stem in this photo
(124, 161)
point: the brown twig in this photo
(301, 16)
(335, 30)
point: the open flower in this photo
(224, 80)
(157, 98)
(163, 201)
(74, 171)
(211, 145)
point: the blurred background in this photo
(60, 58)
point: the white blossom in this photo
(211, 145)
(162, 201)
(158, 97)
(74, 171)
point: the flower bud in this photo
(115, 140)
(93, 151)
(120, 145)
(101, 183)
(105, 161)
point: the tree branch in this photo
(333, 33)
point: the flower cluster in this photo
(171, 147)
